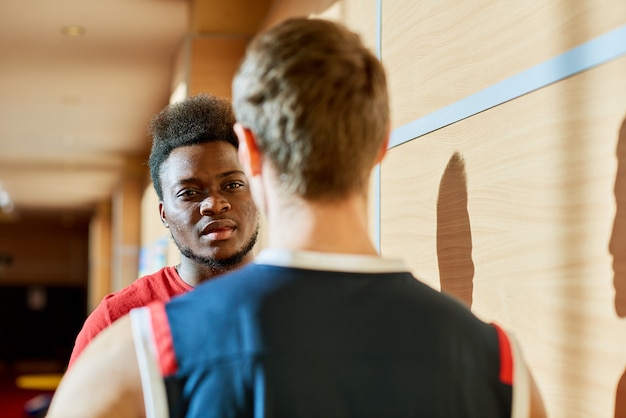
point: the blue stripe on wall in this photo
(583, 57)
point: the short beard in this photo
(220, 265)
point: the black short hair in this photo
(195, 120)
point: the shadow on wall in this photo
(454, 235)
(617, 248)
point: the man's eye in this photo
(234, 185)
(187, 193)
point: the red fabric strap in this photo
(166, 357)
(506, 357)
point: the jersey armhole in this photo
(162, 338)
(152, 383)
(513, 372)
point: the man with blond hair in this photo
(319, 325)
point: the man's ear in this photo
(162, 215)
(249, 154)
(383, 150)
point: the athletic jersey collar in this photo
(311, 260)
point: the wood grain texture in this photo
(285, 9)
(232, 16)
(540, 175)
(125, 231)
(213, 63)
(99, 255)
(440, 52)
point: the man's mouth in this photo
(219, 230)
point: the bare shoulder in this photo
(104, 380)
(537, 408)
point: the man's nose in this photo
(214, 204)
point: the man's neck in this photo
(194, 273)
(336, 227)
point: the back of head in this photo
(316, 99)
(195, 120)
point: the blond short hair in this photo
(316, 99)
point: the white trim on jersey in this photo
(153, 386)
(355, 263)
(520, 407)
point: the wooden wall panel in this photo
(214, 61)
(514, 210)
(439, 52)
(126, 225)
(100, 259)
(232, 16)
(284, 9)
(361, 17)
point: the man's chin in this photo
(217, 260)
(220, 259)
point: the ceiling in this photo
(75, 109)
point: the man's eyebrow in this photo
(220, 175)
(187, 180)
(230, 173)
